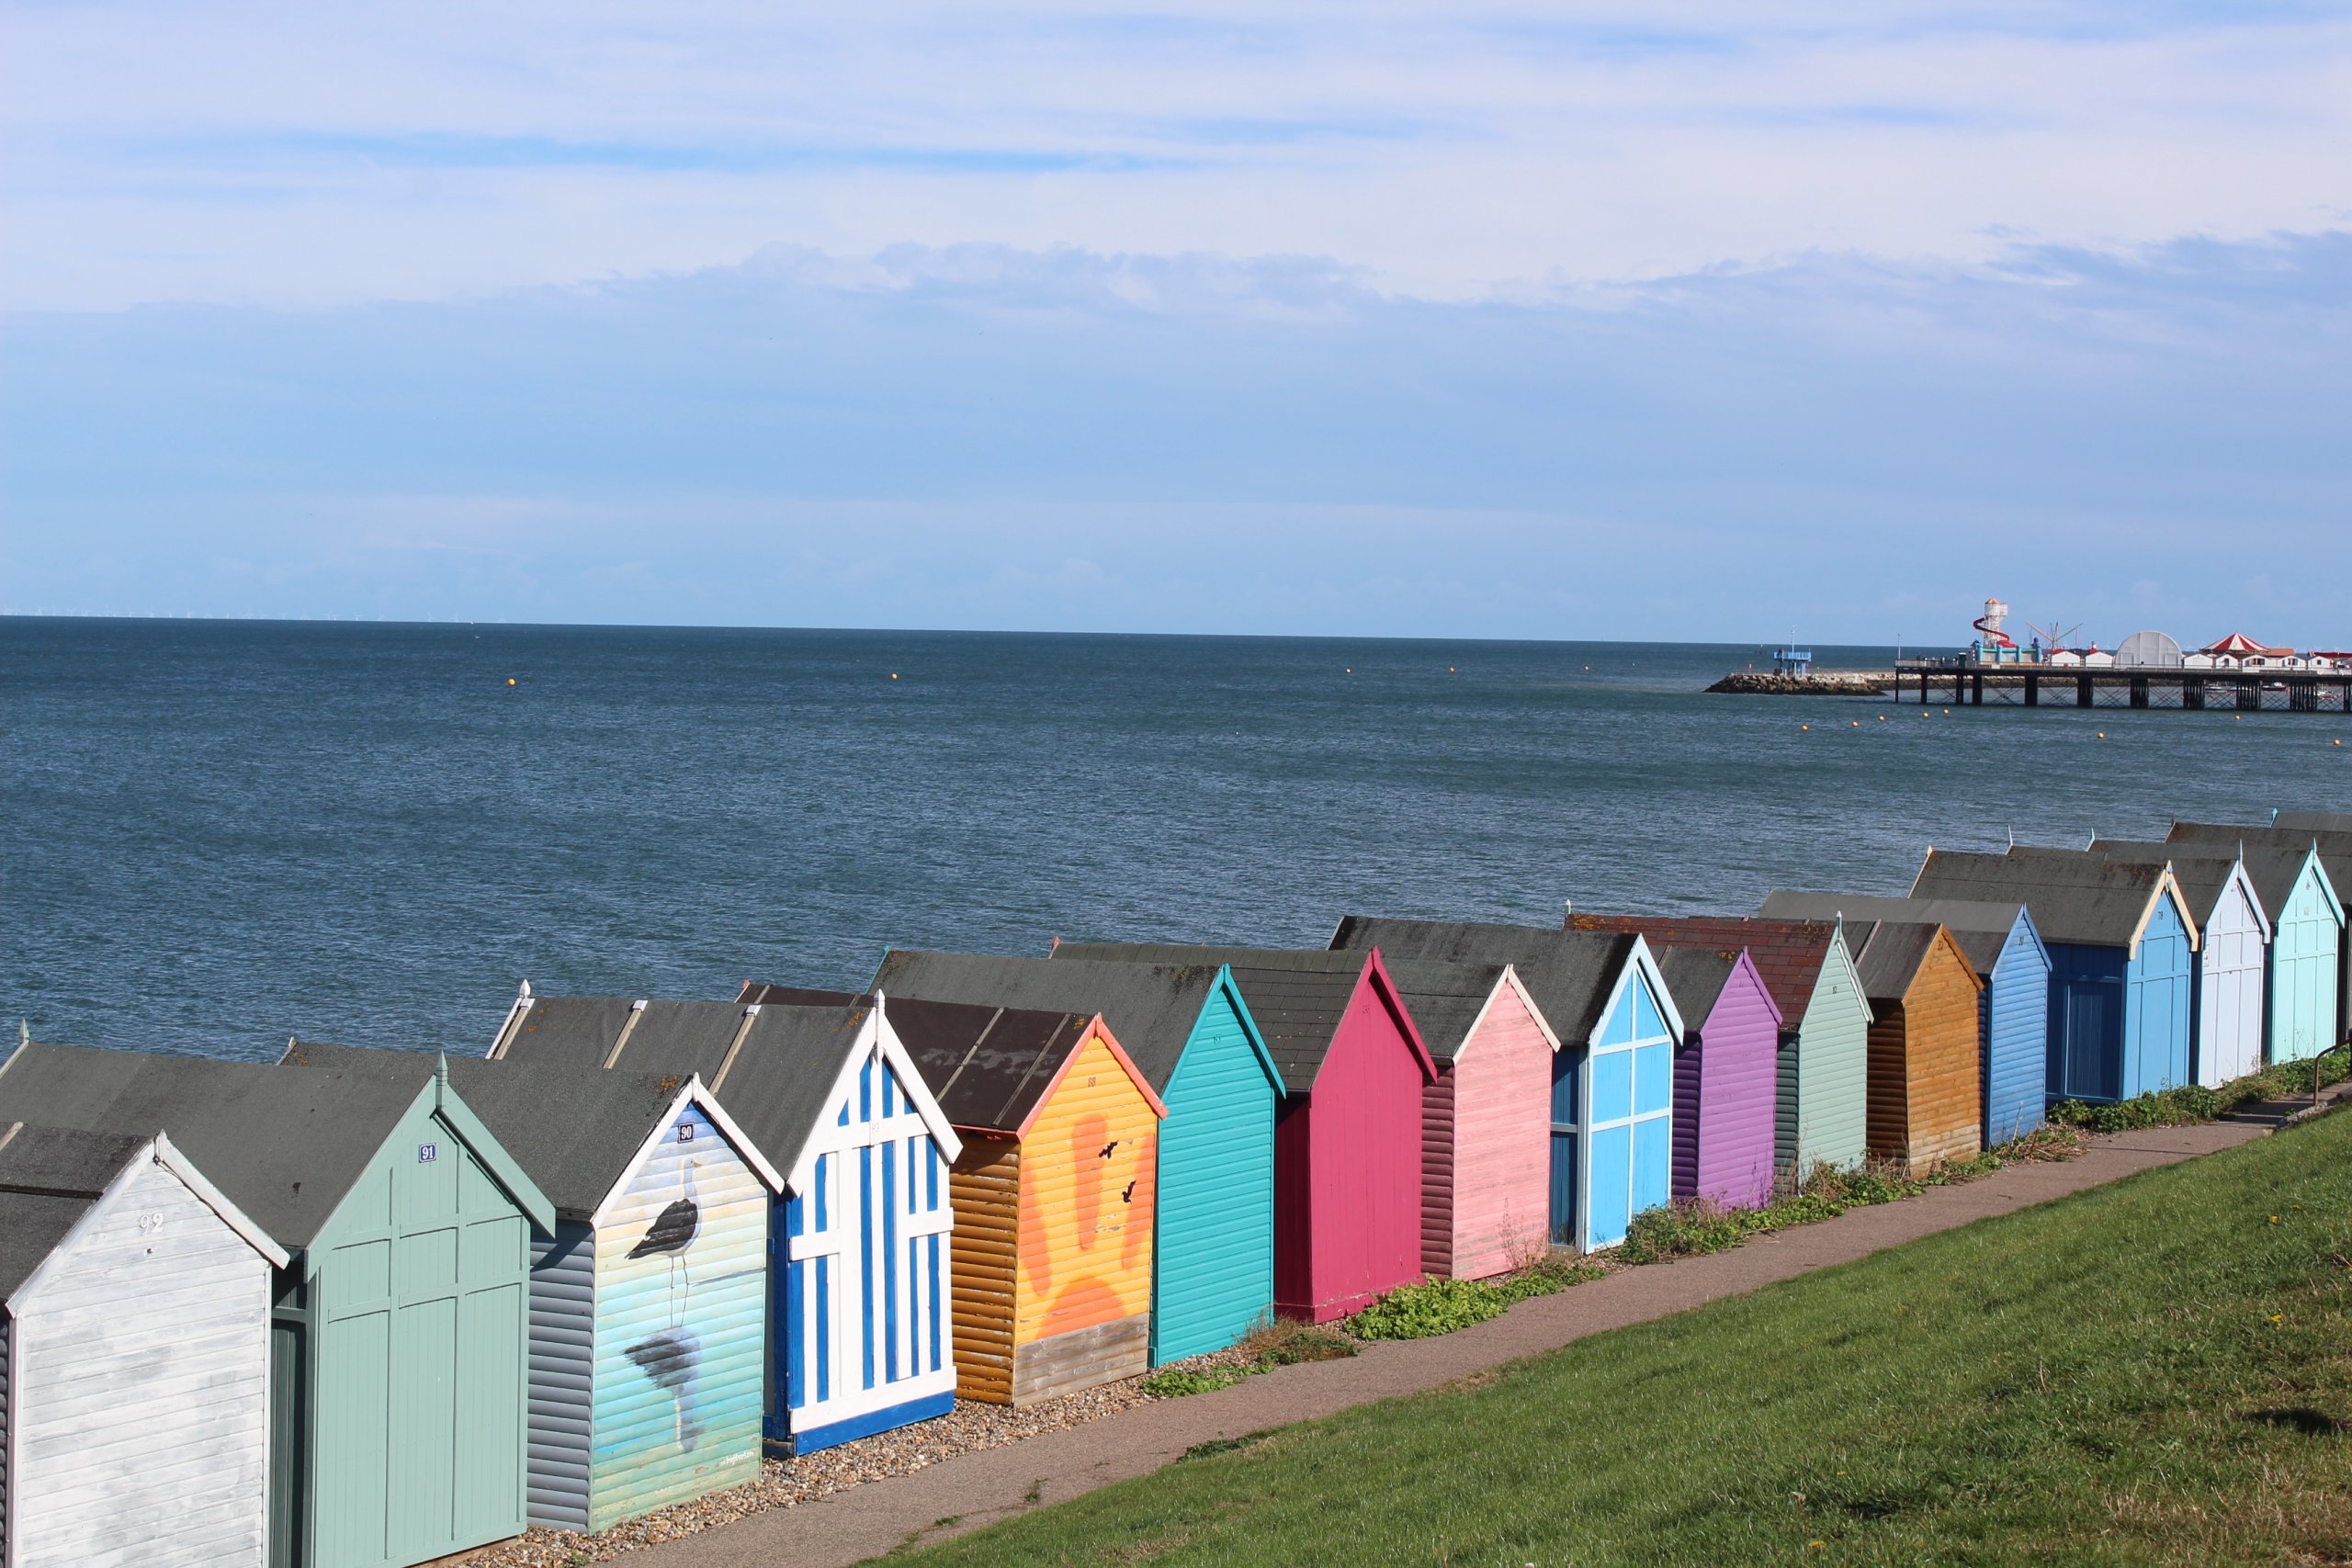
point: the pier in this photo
(1961, 680)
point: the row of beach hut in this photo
(365, 1308)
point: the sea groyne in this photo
(1822, 684)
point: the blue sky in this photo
(1681, 320)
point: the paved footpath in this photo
(975, 1489)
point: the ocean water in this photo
(216, 835)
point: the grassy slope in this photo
(2096, 1380)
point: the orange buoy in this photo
(894, 674)
(510, 679)
(1804, 727)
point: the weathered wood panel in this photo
(985, 1265)
(563, 1342)
(1082, 1358)
(141, 1390)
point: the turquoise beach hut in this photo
(1190, 1035)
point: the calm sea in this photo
(219, 834)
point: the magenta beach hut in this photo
(1725, 1103)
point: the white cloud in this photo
(282, 154)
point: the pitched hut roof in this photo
(1568, 975)
(1981, 927)
(49, 1178)
(2203, 870)
(772, 1066)
(576, 1130)
(2079, 897)
(1788, 953)
(1152, 1007)
(1697, 977)
(989, 1067)
(1298, 997)
(1891, 953)
(285, 1147)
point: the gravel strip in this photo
(784, 1483)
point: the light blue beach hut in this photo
(860, 1337)
(2123, 947)
(1189, 1032)
(2304, 963)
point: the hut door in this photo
(2094, 1065)
(1565, 1065)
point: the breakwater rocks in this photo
(1830, 683)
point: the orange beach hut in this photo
(1053, 1195)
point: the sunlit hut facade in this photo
(649, 1304)
(2013, 1015)
(399, 1326)
(1726, 1077)
(1925, 1094)
(1348, 1146)
(134, 1356)
(1822, 1082)
(2310, 999)
(1053, 1193)
(1189, 1032)
(860, 1335)
(1610, 1098)
(2229, 989)
(2122, 948)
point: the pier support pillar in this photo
(2032, 690)
(1976, 689)
(2302, 696)
(2249, 696)
(2192, 692)
(2139, 691)
(2083, 698)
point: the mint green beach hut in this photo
(1190, 1034)
(398, 1372)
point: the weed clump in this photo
(1441, 1306)
(1277, 1342)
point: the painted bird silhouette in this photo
(1107, 1148)
(675, 1227)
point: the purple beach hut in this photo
(1725, 1076)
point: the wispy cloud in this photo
(243, 152)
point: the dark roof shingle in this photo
(2075, 896)
(1297, 997)
(1568, 975)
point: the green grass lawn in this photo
(2154, 1371)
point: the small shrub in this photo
(1175, 1382)
(1688, 1227)
(1549, 1277)
(1431, 1307)
(2179, 1106)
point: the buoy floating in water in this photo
(2102, 734)
(894, 674)
(1804, 727)
(510, 679)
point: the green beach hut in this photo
(398, 1372)
(1190, 1034)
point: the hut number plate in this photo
(427, 1153)
(686, 1131)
